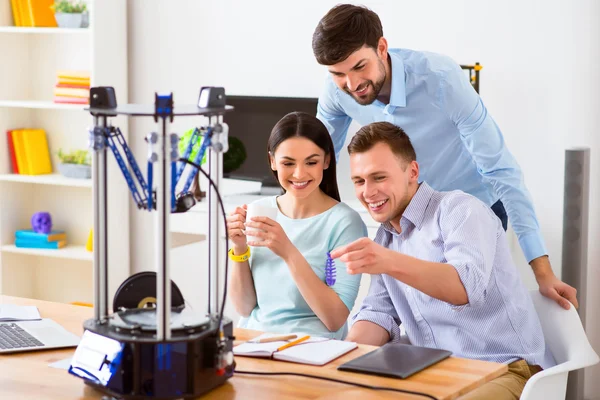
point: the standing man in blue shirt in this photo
(428, 95)
(440, 265)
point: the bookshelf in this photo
(45, 31)
(27, 79)
(69, 252)
(40, 105)
(47, 179)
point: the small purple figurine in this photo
(41, 222)
(330, 271)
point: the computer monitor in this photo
(250, 125)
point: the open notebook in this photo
(314, 351)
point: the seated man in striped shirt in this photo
(440, 265)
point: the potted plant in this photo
(75, 164)
(232, 159)
(69, 13)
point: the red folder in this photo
(11, 152)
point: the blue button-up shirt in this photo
(458, 144)
(499, 323)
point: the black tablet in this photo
(395, 360)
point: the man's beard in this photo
(365, 101)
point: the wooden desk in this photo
(28, 376)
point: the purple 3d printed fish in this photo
(330, 271)
(41, 222)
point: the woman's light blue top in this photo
(280, 306)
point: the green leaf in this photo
(81, 157)
(69, 6)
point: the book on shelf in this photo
(33, 13)
(30, 148)
(38, 155)
(72, 87)
(74, 74)
(19, 148)
(11, 152)
(16, 10)
(70, 100)
(72, 92)
(31, 235)
(82, 82)
(32, 244)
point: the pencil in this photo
(295, 342)
(274, 339)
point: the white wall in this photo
(539, 81)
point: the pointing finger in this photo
(354, 246)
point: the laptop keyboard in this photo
(12, 336)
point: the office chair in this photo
(569, 344)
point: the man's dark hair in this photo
(383, 132)
(345, 29)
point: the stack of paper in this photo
(11, 312)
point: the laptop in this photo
(19, 336)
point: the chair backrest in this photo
(563, 332)
(566, 339)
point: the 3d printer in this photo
(162, 352)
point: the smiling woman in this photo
(291, 250)
(299, 146)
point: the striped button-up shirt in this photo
(499, 323)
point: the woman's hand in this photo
(236, 229)
(271, 235)
(241, 284)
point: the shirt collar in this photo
(398, 94)
(415, 211)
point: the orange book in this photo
(41, 14)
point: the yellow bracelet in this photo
(241, 257)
